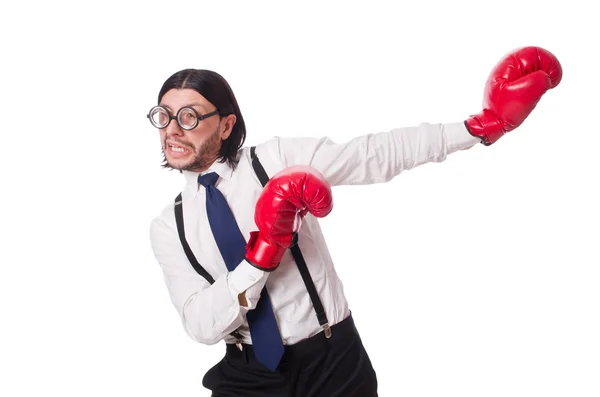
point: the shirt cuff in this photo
(458, 137)
(243, 277)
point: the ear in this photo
(228, 123)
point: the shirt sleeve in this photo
(208, 312)
(374, 158)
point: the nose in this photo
(174, 129)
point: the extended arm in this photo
(512, 91)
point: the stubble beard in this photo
(203, 157)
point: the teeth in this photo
(177, 149)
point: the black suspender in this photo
(188, 252)
(186, 246)
(297, 254)
(295, 249)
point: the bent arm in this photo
(208, 312)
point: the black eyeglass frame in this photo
(176, 117)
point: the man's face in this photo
(197, 149)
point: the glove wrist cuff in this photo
(486, 126)
(263, 254)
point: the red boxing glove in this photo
(284, 201)
(512, 91)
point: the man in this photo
(247, 265)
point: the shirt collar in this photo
(224, 170)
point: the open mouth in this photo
(175, 149)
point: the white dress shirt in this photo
(210, 312)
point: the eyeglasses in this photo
(186, 117)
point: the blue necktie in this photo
(266, 340)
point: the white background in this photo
(478, 276)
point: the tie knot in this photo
(208, 179)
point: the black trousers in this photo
(315, 367)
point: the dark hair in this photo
(217, 91)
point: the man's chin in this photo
(180, 165)
(187, 166)
(188, 163)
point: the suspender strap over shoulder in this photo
(297, 254)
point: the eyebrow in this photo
(187, 105)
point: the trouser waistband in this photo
(340, 332)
